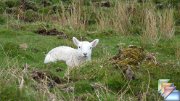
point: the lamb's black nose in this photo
(85, 54)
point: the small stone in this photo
(23, 46)
(129, 73)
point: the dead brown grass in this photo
(122, 17)
(150, 34)
(166, 23)
(120, 20)
(73, 16)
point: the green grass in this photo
(12, 60)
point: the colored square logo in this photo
(168, 90)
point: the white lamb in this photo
(72, 57)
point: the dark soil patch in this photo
(51, 79)
(53, 32)
(59, 69)
(26, 5)
(103, 4)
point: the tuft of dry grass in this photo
(120, 20)
(158, 25)
(122, 17)
(102, 21)
(73, 16)
(150, 34)
(167, 24)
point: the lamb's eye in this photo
(79, 46)
(90, 47)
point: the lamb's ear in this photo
(94, 42)
(76, 41)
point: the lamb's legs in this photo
(67, 73)
(70, 66)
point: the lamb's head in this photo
(85, 47)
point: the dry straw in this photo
(166, 23)
(150, 34)
(73, 16)
(121, 20)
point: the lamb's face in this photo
(85, 47)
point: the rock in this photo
(129, 73)
(23, 46)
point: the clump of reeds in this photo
(73, 16)
(120, 20)
(158, 25)
(166, 23)
(150, 34)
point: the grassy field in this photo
(24, 76)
